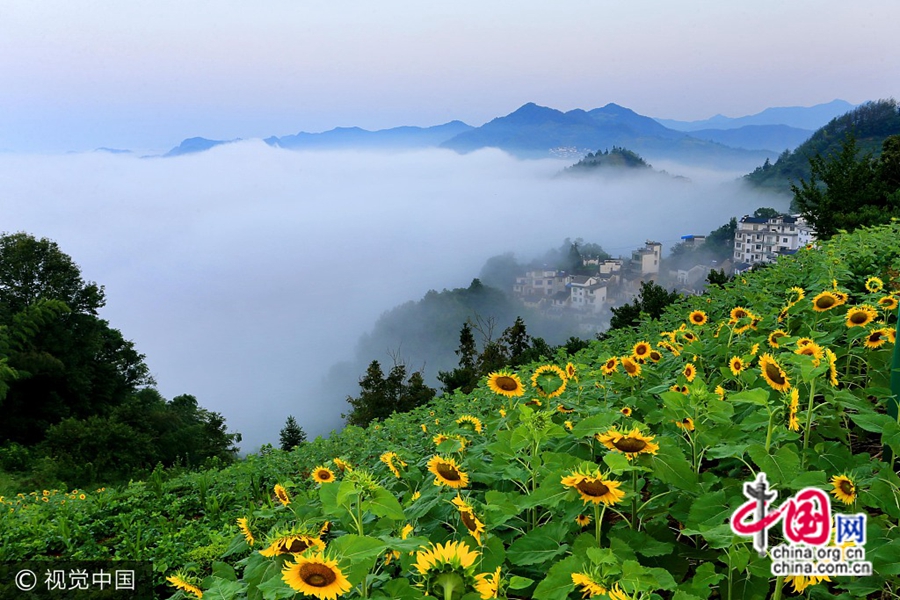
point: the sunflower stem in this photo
(779, 583)
(598, 519)
(770, 428)
(634, 499)
(809, 412)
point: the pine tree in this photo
(292, 435)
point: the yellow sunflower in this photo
(689, 372)
(888, 302)
(594, 487)
(506, 384)
(322, 474)
(773, 337)
(874, 284)
(814, 350)
(773, 373)
(610, 366)
(793, 423)
(589, 587)
(860, 316)
(626, 411)
(832, 367)
(736, 364)
(631, 445)
(825, 301)
(393, 462)
(720, 392)
(316, 576)
(655, 356)
(245, 529)
(468, 518)
(180, 581)
(447, 472)
(292, 543)
(689, 336)
(455, 555)
(844, 489)
(795, 295)
(564, 409)
(549, 377)
(686, 423)
(470, 422)
(571, 372)
(583, 520)
(641, 350)
(282, 494)
(568, 425)
(697, 317)
(341, 465)
(488, 584)
(681, 389)
(801, 582)
(738, 313)
(632, 368)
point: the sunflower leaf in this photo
(781, 467)
(673, 468)
(558, 583)
(384, 504)
(758, 396)
(536, 546)
(872, 421)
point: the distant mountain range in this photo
(534, 131)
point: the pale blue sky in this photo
(145, 74)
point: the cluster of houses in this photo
(617, 281)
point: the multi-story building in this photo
(645, 261)
(762, 239)
(587, 293)
(541, 283)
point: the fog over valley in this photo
(245, 273)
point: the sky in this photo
(146, 74)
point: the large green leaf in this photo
(384, 504)
(536, 546)
(779, 468)
(671, 467)
(223, 589)
(558, 583)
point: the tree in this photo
(465, 376)
(765, 212)
(718, 278)
(382, 396)
(516, 340)
(846, 190)
(651, 301)
(292, 435)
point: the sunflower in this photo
(468, 518)
(795, 295)
(876, 339)
(773, 337)
(655, 356)
(342, 465)
(631, 445)
(589, 587)
(804, 341)
(888, 302)
(631, 367)
(293, 543)
(686, 423)
(583, 520)
(438, 558)
(568, 425)
(844, 489)
(842, 297)
(689, 336)
(447, 472)
(245, 529)
(564, 409)
(793, 423)
(825, 301)
(610, 366)
(773, 373)
(322, 474)
(689, 372)
(738, 313)
(549, 377)
(571, 372)
(506, 384)
(641, 350)
(874, 284)
(393, 462)
(832, 367)
(179, 581)
(424, 427)
(593, 487)
(736, 364)
(470, 422)
(626, 411)
(502, 412)
(860, 316)
(282, 494)
(681, 389)
(801, 582)
(814, 350)
(697, 317)
(488, 584)
(720, 392)
(316, 576)
(667, 346)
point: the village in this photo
(758, 240)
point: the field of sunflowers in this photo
(610, 474)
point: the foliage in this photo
(716, 248)
(870, 123)
(382, 396)
(291, 435)
(651, 301)
(519, 488)
(846, 191)
(617, 158)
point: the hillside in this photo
(800, 117)
(617, 471)
(871, 123)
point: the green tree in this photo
(465, 376)
(650, 303)
(291, 435)
(516, 340)
(382, 396)
(765, 213)
(718, 278)
(848, 190)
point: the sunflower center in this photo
(317, 575)
(507, 384)
(875, 337)
(630, 367)
(324, 475)
(825, 302)
(592, 488)
(628, 444)
(468, 520)
(859, 318)
(775, 374)
(448, 472)
(297, 546)
(846, 487)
